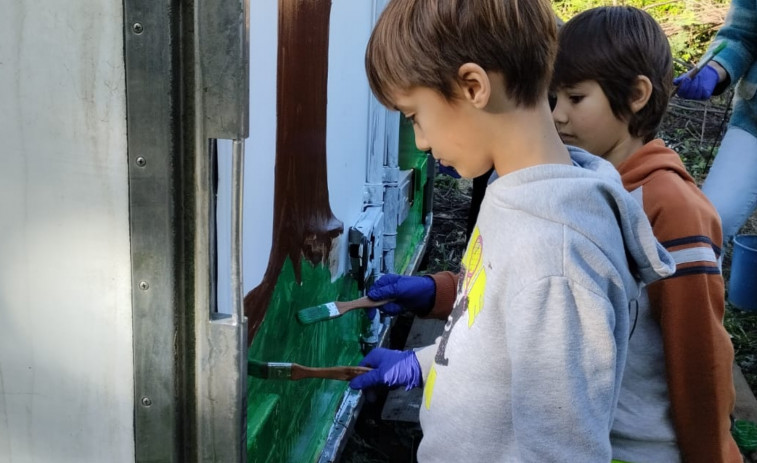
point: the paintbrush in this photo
(702, 63)
(335, 309)
(294, 371)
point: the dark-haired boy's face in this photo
(583, 117)
(449, 129)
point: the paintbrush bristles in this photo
(318, 313)
(335, 309)
(269, 370)
(257, 369)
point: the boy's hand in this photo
(448, 170)
(414, 293)
(391, 368)
(700, 87)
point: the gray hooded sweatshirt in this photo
(530, 363)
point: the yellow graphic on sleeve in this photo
(474, 278)
(428, 390)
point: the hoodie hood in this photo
(532, 190)
(652, 159)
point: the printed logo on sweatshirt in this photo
(474, 277)
(470, 299)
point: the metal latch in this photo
(366, 245)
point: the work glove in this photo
(391, 368)
(700, 87)
(415, 293)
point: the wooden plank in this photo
(746, 404)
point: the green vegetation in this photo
(689, 24)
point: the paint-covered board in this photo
(319, 145)
(312, 137)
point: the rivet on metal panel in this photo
(146, 401)
(137, 28)
(141, 162)
(143, 285)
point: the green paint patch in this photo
(288, 421)
(410, 232)
(263, 429)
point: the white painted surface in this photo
(347, 112)
(66, 367)
(347, 125)
(260, 147)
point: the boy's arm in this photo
(564, 369)
(689, 307)
(446, 291)
(698, 362)
(740, 35)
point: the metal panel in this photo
(366, 245)
(406, 188)
(223, 53)
(187, 79)
(221, 99)
(151, 89)
(66, 378)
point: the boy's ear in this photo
(474, 84)
(642, 91)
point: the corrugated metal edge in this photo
(151, 98)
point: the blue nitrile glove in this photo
(414, 293)
(700, 87)
(448, 170)
(391, 368)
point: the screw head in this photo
(143, 285)
(137, 28)
(146, 401)
(141, 162)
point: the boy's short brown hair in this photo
(613, 45)
(423, 43)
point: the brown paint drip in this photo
(303, 224)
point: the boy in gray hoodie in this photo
(531, 359)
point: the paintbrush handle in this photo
(707, 59)
(363, 303)
(338, 373)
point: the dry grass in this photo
(707, 14)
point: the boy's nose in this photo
(559, 116)
(420, 142)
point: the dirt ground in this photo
(692, 129)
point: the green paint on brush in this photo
(269, 370)
(318, 313)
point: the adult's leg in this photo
(731, 184)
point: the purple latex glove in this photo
(414, 293)
(448, 170)
(391, 368)
(700, 87)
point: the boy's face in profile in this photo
(446, 128)
(583, 117)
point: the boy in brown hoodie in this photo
(612, 81)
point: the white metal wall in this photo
(347, 112)
(66, 369)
